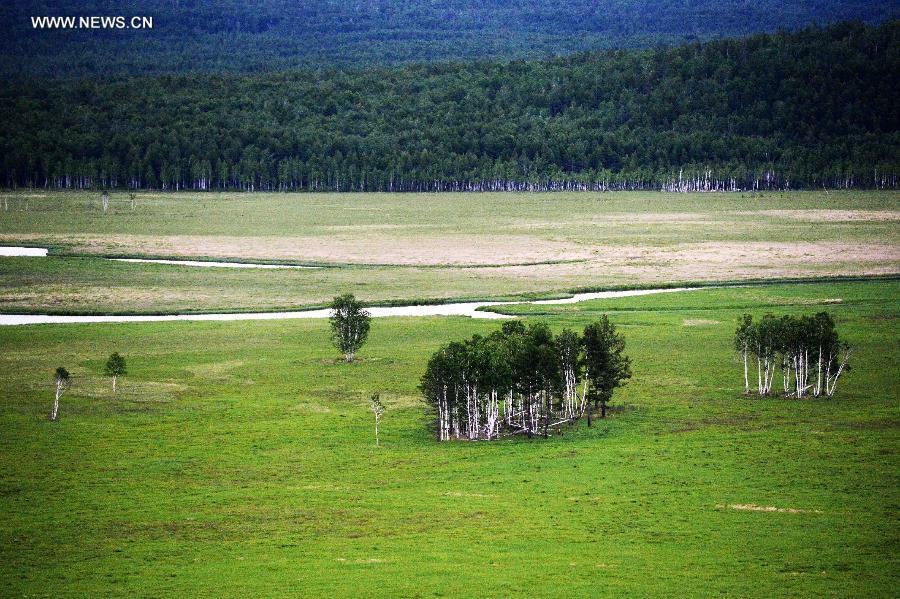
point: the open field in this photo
(409, 247)
(239, 460)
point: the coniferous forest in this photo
(807, 109)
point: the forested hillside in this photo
(269, 35)
(806, 109)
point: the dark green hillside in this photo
(265, 35)
(808, 109)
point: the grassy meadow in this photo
(238, 459)
(409, 247)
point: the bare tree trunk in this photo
(830, 388)
(818, 389)
(759, 382)
(55, 413)
(746, 375)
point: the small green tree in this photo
(378, 409)
(349, 325)
(115, 367)
(62, 383)
(607, 365)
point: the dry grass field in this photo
(416, 247)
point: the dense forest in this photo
(814, 108)
(277, 35)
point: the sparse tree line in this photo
(796, 110)
(296, 176)
(806, 350)
(114, 368)
(523, 380)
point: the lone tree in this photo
(378, 409)
(104, 199)
(607, 365)
(115, 367)
(349, 325)
(62, 383)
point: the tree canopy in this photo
(349, 325)
(267, 35)
(522, 379)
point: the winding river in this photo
(470, 309)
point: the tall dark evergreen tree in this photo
(605, 361)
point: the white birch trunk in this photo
(55, 412)
(746, 375)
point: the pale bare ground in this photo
(698, 322)
(813, 215)
(752, 507)
(471, 495)
(618, 218)
(422, 250)
(725, 261)
(381, 227)
(214, 370)
(481, 250)
(729, 218)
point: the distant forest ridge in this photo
(808, 109)
(217, 36)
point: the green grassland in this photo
(411, 247)
(271, 215)
(239, 459)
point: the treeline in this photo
(523, 380)
(270, 35)
(807, 350)
(793, 110)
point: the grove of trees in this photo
(814, 108)
(807, 350)
(522, 380)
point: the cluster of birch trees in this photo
(523, 380)
(806, 350)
